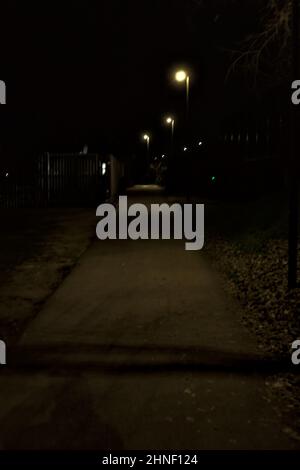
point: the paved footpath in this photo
(139, 348)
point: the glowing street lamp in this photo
(170, 121)
(183, 76)
(146, 138)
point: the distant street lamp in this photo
(170, 121)
(147, 139)
(183, 76)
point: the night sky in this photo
(100, 72)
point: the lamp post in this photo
(146, 138)
(182, 76)
(170, 121)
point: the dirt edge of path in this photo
(29, 285)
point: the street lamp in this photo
(146, 138)
(183, 76)
(170, 121)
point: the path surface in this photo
(139, 348)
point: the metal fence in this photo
(59, 180)
(70, 179)
(17, 193)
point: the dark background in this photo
(100, 72)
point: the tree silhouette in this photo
(267, 52)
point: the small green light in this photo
(213, 178)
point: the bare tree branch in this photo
(269, 48)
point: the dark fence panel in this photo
(70, 179)
(17, 193)
(59, 180)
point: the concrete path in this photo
(139, 348)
